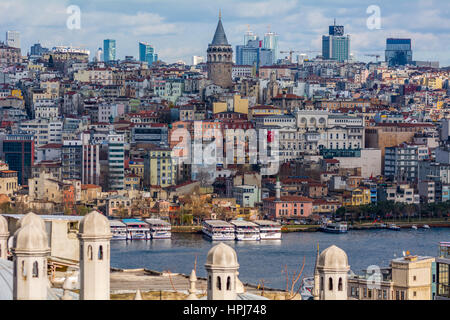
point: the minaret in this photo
(222, 269)
(94, 235)
(30, 250)
(4, 234)
(220, 58)
(316, 289)
(192, 290)
(278, 189)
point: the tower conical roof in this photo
(220, 39)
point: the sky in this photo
(180, 29)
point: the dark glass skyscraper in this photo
(398, 52)
(19, 155)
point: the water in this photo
(267, 259)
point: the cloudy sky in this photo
(179, 29)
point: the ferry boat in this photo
(118, 230)
(334, 227)
(269, 230)
(218, 230)
(137, 229)
(159, 229)
(394, 227)
(246, 230)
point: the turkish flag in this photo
(269, 136)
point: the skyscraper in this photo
(220, 58)
(271, 42)
(109, 50)
(249, 35)
(336, 46)
(147, 53)
(116, 158)
(253, 54)
(13, 39)
(19, 155)
(398, 52)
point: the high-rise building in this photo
(147, 53)
(116, 159)
(336, 46)
(271, 42)
(98, 56)
(91, 160)
(13, 39)
(109, 50)
(197, 59)
(249, 35)
(253, 54)
(398, 52)
(72, 158)
(38, 50)
(220, 58)
(18, 150)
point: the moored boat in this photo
(269, 230)
(414, 227)
(137, 229)
(246, 230)
(394, 227)
(118, 230)
(425, 226)
(218, 230)
(159, 229)
(334, 227)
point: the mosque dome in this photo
(222, 256)
(29, 218)
(30, 237)
(95, 224)
(3, 226)
(333, 258)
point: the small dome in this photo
(30, 217)
(223, 256)
(333, 257)
(95, 224)
(30, 237)
(3, 225)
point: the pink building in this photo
(288, 207)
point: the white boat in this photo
(334, 227)
(118, 230)
(394, 227)
(414, 227)
(269, 230)
(159, 229)
(425, 226)
(137, 229)
(246, 230)
(218, 230)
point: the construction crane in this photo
(377, 56)
(290, 54)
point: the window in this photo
(228, 283)
(219, 283)
(89, 252)
(209, 282)
(35, 269)
(100, 253)
(330, 284)
(340, 286)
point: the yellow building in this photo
(51, 86)
(235, 104)
(434, 83)
(17, 93)
(407, 278)
(137, 168)
(358, 197)
(132, 182)
(8, 182)
(159, 169)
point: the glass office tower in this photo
(147, 53)
(109, 50)
(336, 46)
(398, 52)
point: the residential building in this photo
(159, 168)
(116, 159)
(18, 150)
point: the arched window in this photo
(35, 269)
(24, 271)
(219, 283)
(89, 252)
(209, 282)
(321, 283)
(228, 283)
(330, 284)
(340, 286)
(100, 253)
